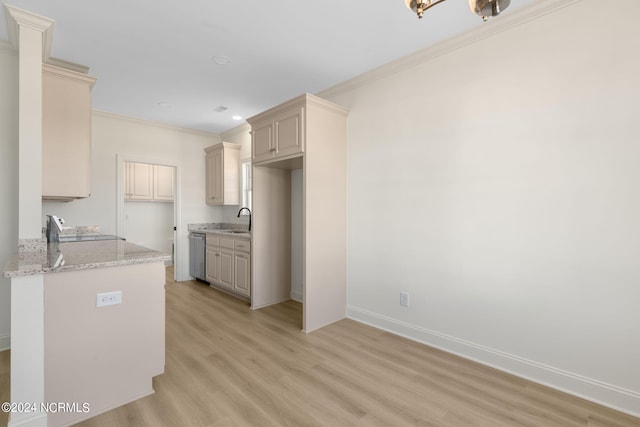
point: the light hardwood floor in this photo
(229, 366)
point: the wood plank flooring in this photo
(5, 373)
(229, 366)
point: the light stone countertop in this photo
(82, 256)
(221, 229)
(226, 233)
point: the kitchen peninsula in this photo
(104, 314)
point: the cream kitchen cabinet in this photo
(219, 259)
(228, 264)
(148, 183)
(309, 135)
(222, 174)
(66, 133)
(279, 133)
(138, 181)
(163, 183)
(242, 267)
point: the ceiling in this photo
(156, 60)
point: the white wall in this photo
(8, 181)
(498, 184)
(149, 224)
(120, 137)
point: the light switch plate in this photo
(404, 299)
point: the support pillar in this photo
(31, 35)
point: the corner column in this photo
(31, 35)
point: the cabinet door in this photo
(289, 132)
(163, 183)
(262, 146)
(213, 265)
(66, 134)
(139, 181)
(226, 269)
(215, 175)
(242, 270)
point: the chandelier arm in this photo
(428, 5)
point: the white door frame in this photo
(177, 208)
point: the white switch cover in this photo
(109, 298)
(404, 299)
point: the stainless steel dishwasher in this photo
(197, 255)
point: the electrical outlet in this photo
(404, 299)
(109, 298)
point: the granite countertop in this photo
(82, 256)
(222, 229)
(228, 233)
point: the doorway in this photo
(148, 205)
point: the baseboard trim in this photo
(296, 296)
(608, 395)
(5, 342)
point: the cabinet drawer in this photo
(212, 240)
(226, 243)
(243, 245)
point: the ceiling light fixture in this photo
(236, 117)
(221, 60)
(484, 8)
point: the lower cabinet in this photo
(242, 273)
(229, 264)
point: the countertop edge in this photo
(81, 267)
(245, 236)
(105, 253)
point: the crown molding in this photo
(64, 73)
(307, 99)
(497, 25)
(238, 130)
(67, 65)
(144, 122)
(17, 17)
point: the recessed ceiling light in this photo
(221, 60)
(164, 104)
(236, 117)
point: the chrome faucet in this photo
(249, 210)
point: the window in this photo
(245, 184)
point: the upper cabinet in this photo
(148, 183)
(66, 133)
(223, 174)
(138, 181)
(163, 183)
(279, 133)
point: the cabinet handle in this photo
(272, 149)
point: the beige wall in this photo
(8, 181)
(501, 192)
